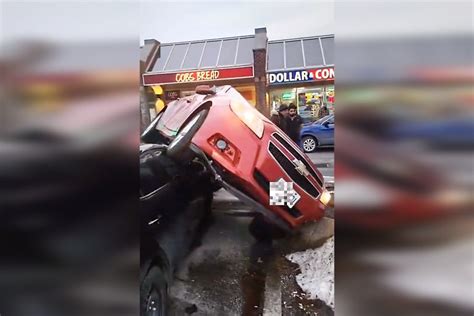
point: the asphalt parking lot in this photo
(324, 160)
(230, 273)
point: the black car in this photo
(175, 202)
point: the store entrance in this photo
(308, 100)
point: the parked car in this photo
(244, 150)
(318, 134)
(175, 201)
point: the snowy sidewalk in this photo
(317, 271)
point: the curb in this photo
(311, 235)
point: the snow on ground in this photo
(317, 271)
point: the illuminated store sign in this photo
(288, 96)
(297, 76)
(171, 95)
(198, 76)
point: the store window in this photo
(330, 98)
(160, 62)
(228, 52)
(282, 96)
(248, 92)
(209, 57)
(312, 52)
(309, 100)
(177, 55)
(328, 47)
(276, 59)
(294, 54)
(193, 55)
(245, 52)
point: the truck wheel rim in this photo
(154, 301)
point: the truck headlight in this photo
(325, 197)
(249, 116)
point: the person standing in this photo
(294, 123)
(275, 117)
(323, 111)
(279, 119)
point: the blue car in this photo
(452, 132)
(318, 134)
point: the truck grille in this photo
(265, 184)
(288, 166)
(298, 156)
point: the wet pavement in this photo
(324, 161)
(211, 276)
(230, 273)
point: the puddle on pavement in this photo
(253, 281)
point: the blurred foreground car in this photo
(380, 187)
(244, 151)
(318, 134)
(68, 225)
(442, 133)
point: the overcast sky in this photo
(170, 21)
(180, 21)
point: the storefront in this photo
(301, 71)
(181, 84)
(266, 73)
(183, 66)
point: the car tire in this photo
(179, 146)
(261, 230)
(154, 293)
(309, 144)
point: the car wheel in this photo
(309, 144)
(154, 293)
(180, 143)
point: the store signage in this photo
(297, 76)
(171, 95)
(198, 76)
(288, 96)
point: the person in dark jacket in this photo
(294, 122)
(323, 111)
(279, 119)
(274, 117)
